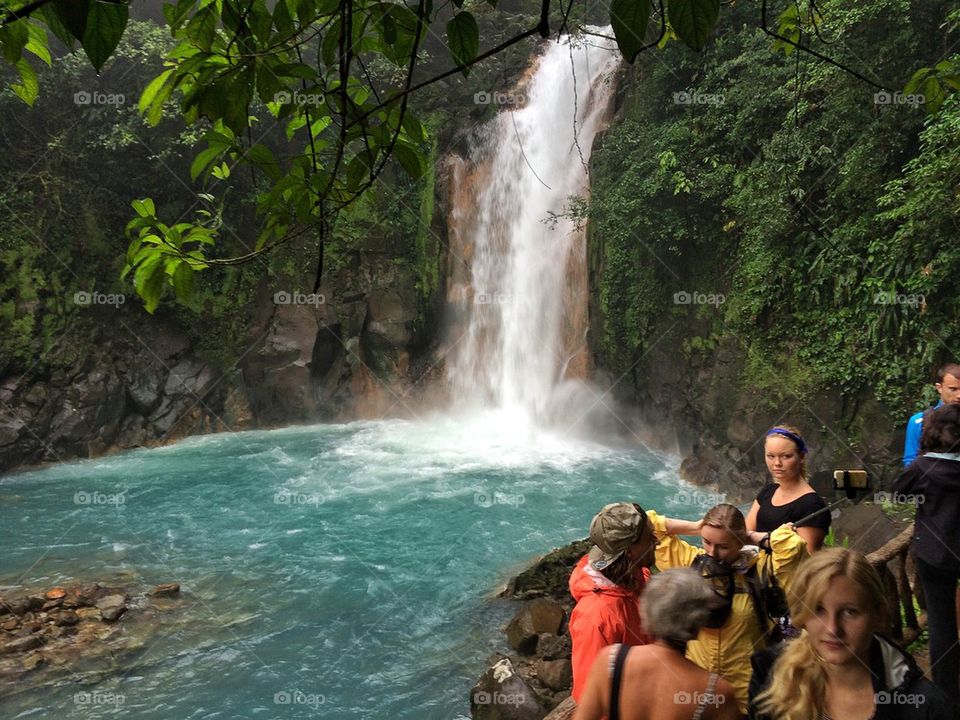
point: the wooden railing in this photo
(895, 565)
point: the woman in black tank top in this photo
(789, 497)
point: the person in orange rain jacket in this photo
(607, 583)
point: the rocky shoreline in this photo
(536, 678)
(76, 627)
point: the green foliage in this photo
(830, 539)
(826, 218)
(338, 75)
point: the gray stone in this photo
(112, 607)
(554, 647)
(501, 694)
(165, 590)
(555, 674)
(67, 618)
(33, 661)
(22, 644)
(535, 617)
(865, 527)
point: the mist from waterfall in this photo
(520, 291)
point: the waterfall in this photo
(518, 276)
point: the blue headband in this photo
(801, 445)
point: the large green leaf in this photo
(629, 19)
(37, 43)
(463, 37)
(28, 88)
(105, 25)
(12, 38)
(693, 20)
(73, 16)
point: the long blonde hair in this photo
(798, 685)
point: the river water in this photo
(352, 564)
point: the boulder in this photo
(33, 661)
(21, 644)
(555, 674)
(864, 527)
(535, 617)
(67, 618)
(501, 694)
(165, 590)
(112, 607)
(554, 647)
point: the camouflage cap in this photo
(613, 530)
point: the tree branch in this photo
(23, 12)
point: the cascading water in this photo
(518, 262)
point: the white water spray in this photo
(523, 301)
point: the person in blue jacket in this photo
(948, 387)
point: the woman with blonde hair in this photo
(840, 668)
(741, 577)
(789, 497)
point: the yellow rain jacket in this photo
(726, 650)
